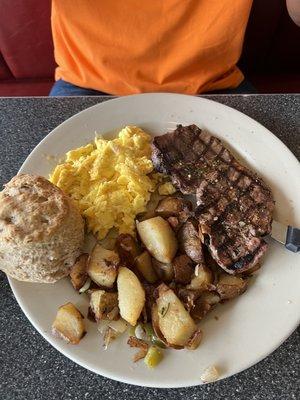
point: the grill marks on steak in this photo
(234, 205)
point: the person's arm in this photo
(293, 7)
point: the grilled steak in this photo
(234, 206)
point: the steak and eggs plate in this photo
(169, 260)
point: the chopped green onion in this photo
(153, 357)
(153, 338)
(157, 342)
(131, 331)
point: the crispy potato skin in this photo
(194, 340)
(131, 295)
(78, 273)
(128, 249)
(183, 269)
(69, 324)
(159, 238)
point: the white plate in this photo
(250, 327)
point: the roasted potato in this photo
(151, 206)
(175, 323)
(102, 303)
(128, 249)
(165, 272)
(230, 286)
(143, 263)
(131, 295)
(188, 297)
(69, 324)
(202, 278)
(78, 273)
(102, 266)
(204, 304)
(210, 297)
(201, 308)
(159, 238)
(174, 207)
(183, 269)
(189, 241)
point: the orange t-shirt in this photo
(133, 46)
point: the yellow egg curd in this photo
(110, 180)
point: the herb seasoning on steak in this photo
(234, 205)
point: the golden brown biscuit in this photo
(41, 230)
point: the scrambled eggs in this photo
(110, 180)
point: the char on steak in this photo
(234, 205)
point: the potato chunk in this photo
(174, 206)
(131, 295)
(175, 323)
(202, 278)
(144, 265)
(159, 238)
(69, 324)
(230, 286)
(78, 273)
(204, 304)
(102, 303)
(102, 266)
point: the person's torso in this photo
(133, 46)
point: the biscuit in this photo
(41, 230)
